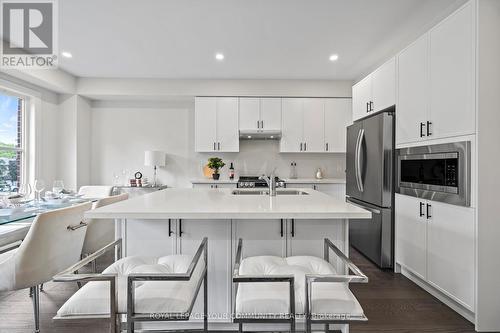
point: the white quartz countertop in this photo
(287, 180)
(222, 204)
(315, 181)
(213, 181)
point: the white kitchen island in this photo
(175, 221)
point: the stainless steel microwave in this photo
(436, 172)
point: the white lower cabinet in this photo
(450, 251)
(436, 242)
(260, 237)
(306, 237)
(189, 235)
(411, 235)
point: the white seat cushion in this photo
(150, 297)
(271, 299)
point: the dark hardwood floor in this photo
(392, 303)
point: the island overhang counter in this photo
(174, 221)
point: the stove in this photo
(254, 181)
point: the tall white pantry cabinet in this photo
(448, 83)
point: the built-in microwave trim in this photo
(459, 195)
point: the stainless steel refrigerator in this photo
(370, 184)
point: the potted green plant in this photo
(215, 163)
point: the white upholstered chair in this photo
(281, 290)
(96, 191)
(53, 243)
(100, 232)
(142, 288)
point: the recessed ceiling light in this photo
(66, 54)
(334, 57)
(219, 56)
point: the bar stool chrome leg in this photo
(240, 327)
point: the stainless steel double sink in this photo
(266, 192)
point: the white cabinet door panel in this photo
(450, 250)
(361, 96)
(413, 91)
(228, 139)
(314, 129)
(249, 113)
(218, 233)
(205, 124)
(411, 234)
(452, 75)
(338, 115)
(260, 237)
(384, 86)
(292, 125)
(270, 113)
(335, 190)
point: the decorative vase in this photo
(216, 175)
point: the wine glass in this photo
(25, 190)
(57, 186)
(39, 187)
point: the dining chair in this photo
(53, 243)
(100, 232)
(95, 191)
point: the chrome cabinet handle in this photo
(305, 146)
(429, 133)
(422, 129)
(170, 232)
(262, 124)
(327, 146)
(367, 107)
(218, 145)
(293, 227)
(258, 124)
(281, 228)
(421, 213)
(215, 146)
(78, 226)
(371, 105)
(427, 211)
(180, 228)
(301, 146)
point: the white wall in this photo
(121, 131)
(488, 139)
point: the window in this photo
(12, 141)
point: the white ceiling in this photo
(261, 39)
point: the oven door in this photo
(436, 172)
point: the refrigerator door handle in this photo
(357, 162)
(371, 210)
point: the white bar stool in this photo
(272, 289)
(142, 288)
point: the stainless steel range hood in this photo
(260, 135)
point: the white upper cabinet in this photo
(375, 92)
(436, 82)
(205, 124)
(413, 88)
(292, 125)
(361, 97)
(338, 116)
(216, 124)
(452, 75)
(384, 86)
(260, 114)
(315, 125)
(270, 113)
(249, 113)
(314, 128)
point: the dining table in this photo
(15, 222)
